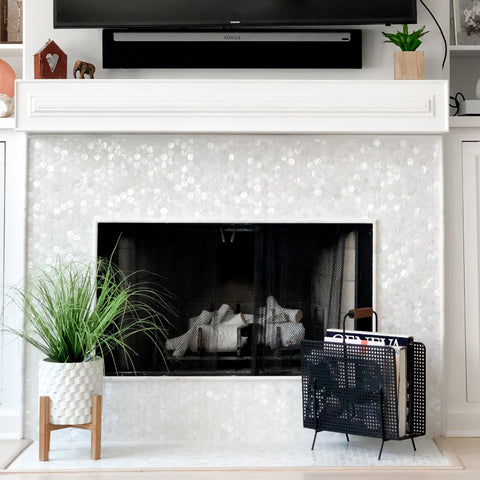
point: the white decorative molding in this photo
(242, 106)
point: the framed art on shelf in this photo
(11, 21)
(466, 22)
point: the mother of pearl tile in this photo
(394, 181)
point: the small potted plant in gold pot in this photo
(409, 63)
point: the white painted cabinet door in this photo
(2, 255)
(471, 243)
(12, 271)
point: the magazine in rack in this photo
(400, 344)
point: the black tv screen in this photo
(208, 13)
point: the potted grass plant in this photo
(409, 63)
(75, 314)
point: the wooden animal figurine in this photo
(83, 68)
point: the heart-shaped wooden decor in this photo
(52, 61)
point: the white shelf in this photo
(7, 123)
(11, 50)
(465, 50)
(465, 122)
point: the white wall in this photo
(14, 59)
(82, 44)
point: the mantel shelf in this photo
(465, 50)
(232, 106)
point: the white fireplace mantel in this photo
(241, 106)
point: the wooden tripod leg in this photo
(96, 427)
(44, 430)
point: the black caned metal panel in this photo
(417, 376)
(352, 389)
(349, 389)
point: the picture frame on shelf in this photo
(11, 21)
(466, 22)
(453, 23)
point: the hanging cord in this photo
(445, 46)
(455, 102)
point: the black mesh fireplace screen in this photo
(246, 295)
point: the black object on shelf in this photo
(241, 48)
(352, 389)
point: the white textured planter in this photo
(70, 387)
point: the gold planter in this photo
(409, 65)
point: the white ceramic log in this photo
(70, 387)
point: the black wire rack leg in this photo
(382, 422)
(348, 439)
(381, 450)
(413, 443)
(315, 407)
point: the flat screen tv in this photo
(223, 13)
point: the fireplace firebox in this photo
(245, 295)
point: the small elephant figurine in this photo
(83, 68)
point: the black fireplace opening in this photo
(245, 294)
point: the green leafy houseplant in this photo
(77, 312)
(407, 42)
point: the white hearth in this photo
(249, 161)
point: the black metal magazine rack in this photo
(352, 389)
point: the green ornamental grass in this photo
(407, 42)
(75, 312)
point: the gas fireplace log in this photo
(221, 339)
(180, 344)
(224, 312)
(274, 313)
(238, 320)
(286, 334)
(221, 314)
(220, 329)
(293, 315)
(196, 340)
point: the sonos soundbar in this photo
(253, 48)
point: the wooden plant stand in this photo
(95, 426)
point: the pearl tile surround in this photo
(393, 181)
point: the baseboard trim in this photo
(11, 427)
(462, 424)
